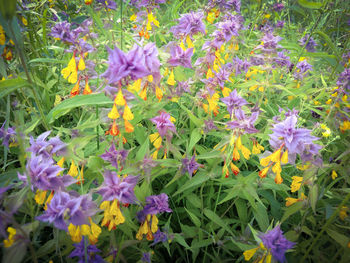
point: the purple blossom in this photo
(179, 57)
(159, 236)
(190, 165)
(240, 66)
(209, 125)
(73, 206)
(92, 251)
(8, 136)
(146, 257)
(122, 65)
(115, 187)
(244, 123)
(282, 60)
(226, 5)
(43, 174)
(280, 24)
(234, 103)
(80, 208)
(302, 69)
(269, 43)
(113, 156)
(163, 124)
(152, 63)
(343, 81)
(310, 46)
(278, 7)
(150, 3)
(156, 204)
(41, 146)
(275, 241)
(297, 140)
(147, 165)
(182, 86)
(56, 209)
(189, 25)
(110, 4)
(63, 32)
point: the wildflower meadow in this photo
(174, 131)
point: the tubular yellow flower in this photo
(11, 238)
(114, 114)
(171, 80)
(296, 183)
(248, 254)
(73, 170)
(127, 113)
(119, 99)
(334, 174)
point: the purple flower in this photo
(147, 165)
(56, 210)
(156, 204)
(150, 3)
(80, 208)
(114, 156)
(280, 24)
(79, 251)
(63, 32)
(282, 60)
(115, 187)
(269, 43)
(163, 124)
(240, 66)
(278, 7)
(343, 81)
(8, 136)
(209, 125)
(110, 4)
(275, 241)
(302, 69)
(226, 5)
(146, 257)
(122, 65)
(43, 174)
(310, 46)
(244, 123)
(152, 63)
(179, 57)
(46, 148)
(189, 165)
(159, 236)
(234, 103)
(295, 139)
(189, 25)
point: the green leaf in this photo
(198, 122)
(195, 137)
(311, 5)
(198, 179)
(340, 238)
(78, 101)
(313, 195)
(261, 217)
(242, 210)
(179, 239)
(142, 151)
(217, 220)
(292, 210)
(9, 85)
(194, 218)
(329, 42)
(47, 60)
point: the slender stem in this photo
(328, 222)
(121, 25)
(36, 97)
(97, 130)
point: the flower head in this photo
(310, 46)
(115, 187)
(302, 69)
(92, 251)
(189, 24)
(234, 103)
(180, 57)
(156, 204)
(8, 136)
(277, 243)
(190, 165)
(115, 156)
(163, 123)
(244, 123)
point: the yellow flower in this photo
(133, 17)
(159, 93)
(114, 114)
(127, 115)
(210, 74)
(2, 36)
(73, 170)
(171, 80)
(11, 238)
(156, 140)
(119, 99)
(70, 71)
(40, 196)
(334, 174)
(248, 254)
(296, 183)
(343, 212)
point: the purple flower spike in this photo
(234, 103)
(80, 209)
(156, 204)
(114, 187)
(277, 243)
(79, 251)
(310, 46)
(244, 123)
(163, 123)
(190, 165)
(189, 24)
(302, 69)
(179, 57)
(8, 136)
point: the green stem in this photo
(121, 25)
(97, 130)
(329, 221)
(36, 97)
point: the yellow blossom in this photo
(127, 115)
(11, 238)
(296, 183)
(73, 170)
(334, 174)
(40, 196)
(119, 99)
(248, 254)
(171, 80)
(114, 114)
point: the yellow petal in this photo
(277, 168)
(248, 254)
(128, 126)
(85, 230)
(210, 74)
(226, 92)
(276, 156)
(159, 93)
(114, 114)
(127, 113)
(119, 99)
(73, 170)
(334, 175)
(189, 42)
(264, 171)
(182, 45)
(246, 152)
(296, 183)
(133, 17)
(40, 196)
(154, 225)
(81, 64)
(290, 201)
(60, 162)
(284, 158)
(171, 80)
(278, 178)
